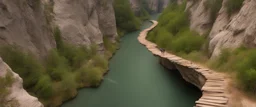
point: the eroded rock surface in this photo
(83, 22)
(17, 93)
(228, 31)
(23, 23)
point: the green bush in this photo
(5, 83)
(100, 61)
(89, 75)
(247, 80)
(68, 84)
(44, 88)
(233, 6)
(26, 65)
(109, 46)
(94, 76)
(125, 19)
(173, 31)
(235, 61)
(56, 65)
(164, 38)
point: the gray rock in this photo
(17, 93)
(23, 23)
(83, 22)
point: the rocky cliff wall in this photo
(18, 97)
(23, 23)
(227, 31)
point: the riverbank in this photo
(213, 85)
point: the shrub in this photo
(100, 62)
(5, 82)
(163, 38)
(26, 65)
(44, 87)
(233, 6)
(224, 57)
(94, 76)
(56, 65)
(196, 56)
(187, 42)
(247, 80)
(68, 84)
(109, 46)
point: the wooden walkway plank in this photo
(214, 89)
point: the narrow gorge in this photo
(78, 53)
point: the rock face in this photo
(17, 93)
(83, 22)
(239, 29)
(199, 17)
(227, 31)
(23, 23)
(189, 74)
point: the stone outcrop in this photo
(234, 31)
(23, 23)
(17, 93)
(227, 31)
(83, 22)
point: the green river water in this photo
(136, 79)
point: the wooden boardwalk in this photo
(214, 91)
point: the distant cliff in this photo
(229, 30)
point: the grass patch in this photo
(233, 6)
(173, 33)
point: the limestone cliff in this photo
(18, 97)
(23, 23)
(227, 31)
(83, 22)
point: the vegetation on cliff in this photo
(234, 6)
(5, 83)
(66, 68)
(125, 18)
(173, 34)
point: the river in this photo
(136, 79)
